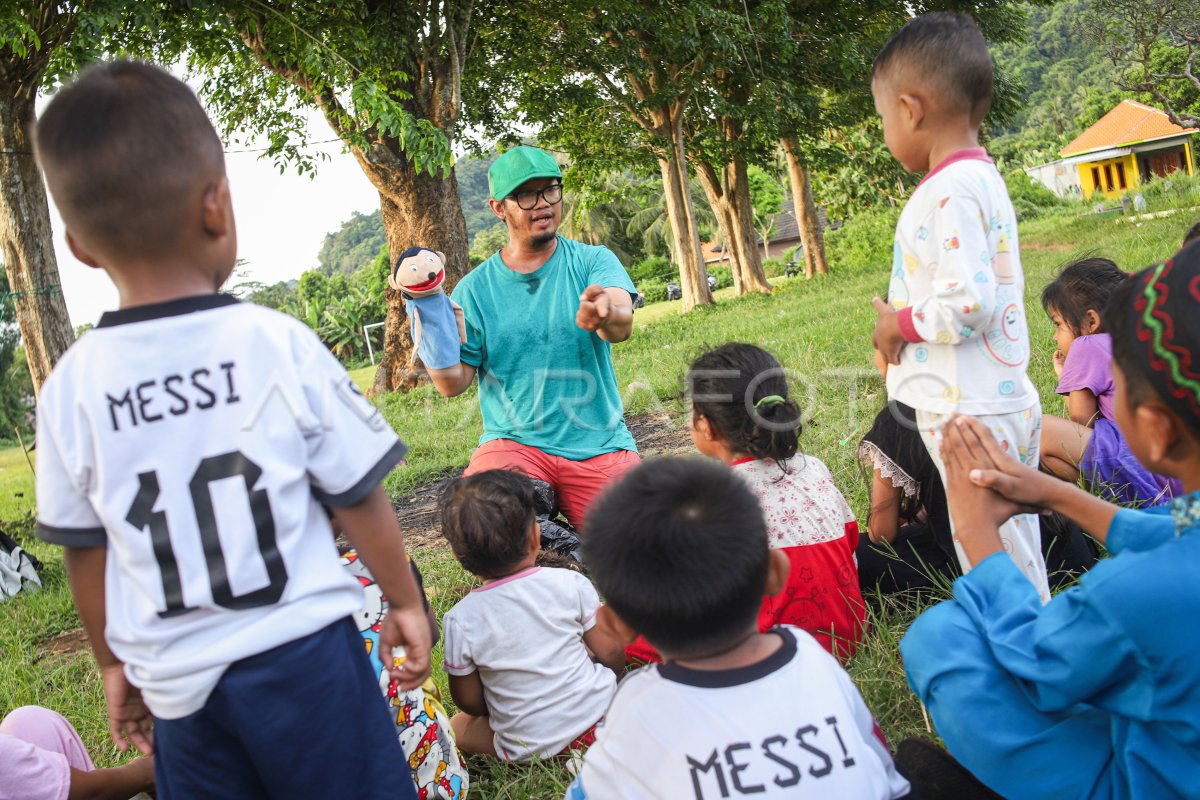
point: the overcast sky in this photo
(281, 219)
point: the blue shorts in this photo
(303, 720)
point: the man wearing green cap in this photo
(542, 315)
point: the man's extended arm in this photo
(452, 381)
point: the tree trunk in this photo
(754, 279)
(26, 237)
(685, 244)
(806, 212)
(693, 278)
(418, 210)
(715, 193)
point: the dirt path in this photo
(655, 436)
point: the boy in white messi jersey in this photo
(955, 333)
(185, 447)
(678, 549)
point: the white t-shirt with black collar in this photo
(792, 725)
(196, 440)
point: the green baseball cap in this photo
(517, 166)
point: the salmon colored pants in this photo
(577, 483)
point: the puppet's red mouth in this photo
(427, 285)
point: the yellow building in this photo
(1128, 146)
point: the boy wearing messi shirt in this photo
(186, 446)
(679, 551)
(954, 326)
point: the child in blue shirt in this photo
(1097, 693)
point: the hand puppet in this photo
(438, 327)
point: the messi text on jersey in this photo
(173, 395)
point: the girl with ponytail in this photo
(742, 414)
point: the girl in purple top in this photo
(1089, 444)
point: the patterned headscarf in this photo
(1166, 321)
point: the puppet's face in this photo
(419, 275)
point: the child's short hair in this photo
(742, 390)
(1156, 335)
(678, 549)
(1192, 235)
(486, 519)
(127, 151)
(1083, 286)
(946, 52)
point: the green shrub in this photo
(774, 267)
(723, 274)
(654, 290)
(864, 242)
(1030, 199)
(654, 268)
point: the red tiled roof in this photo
(1129, 122)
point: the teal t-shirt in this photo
(543, 381)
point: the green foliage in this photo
(1030, 199)
(654, 290)
(654, 268)
(864, 243)
(774, 267)
(854, 171)
(471, 173)
(354, 245)
(487, 242)
(766, 199)
(1064, 76)
(274, 296)
(722, 274)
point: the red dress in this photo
(809, 519)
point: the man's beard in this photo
(542, 239)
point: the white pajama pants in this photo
(1018, 434)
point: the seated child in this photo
(679, 548)
(909, 544)
(43, 758)
(742, 416)
(1097, 693)
(1089, 443)
(517, 648)
(422, 724)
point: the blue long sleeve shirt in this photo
(1123, 641)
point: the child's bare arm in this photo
(117, 783)
(887, 338)
(1082, 407)
(606, 649)
(372, 528)
(467, 692)
(129, 721)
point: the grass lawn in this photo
(16, 484)
(819, 329)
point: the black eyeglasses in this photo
(526, 201)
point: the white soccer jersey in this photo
(793, 725)
(958, 284)
(196, 440)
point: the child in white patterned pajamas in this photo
(954, 329)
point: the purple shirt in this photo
(1089, 366)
